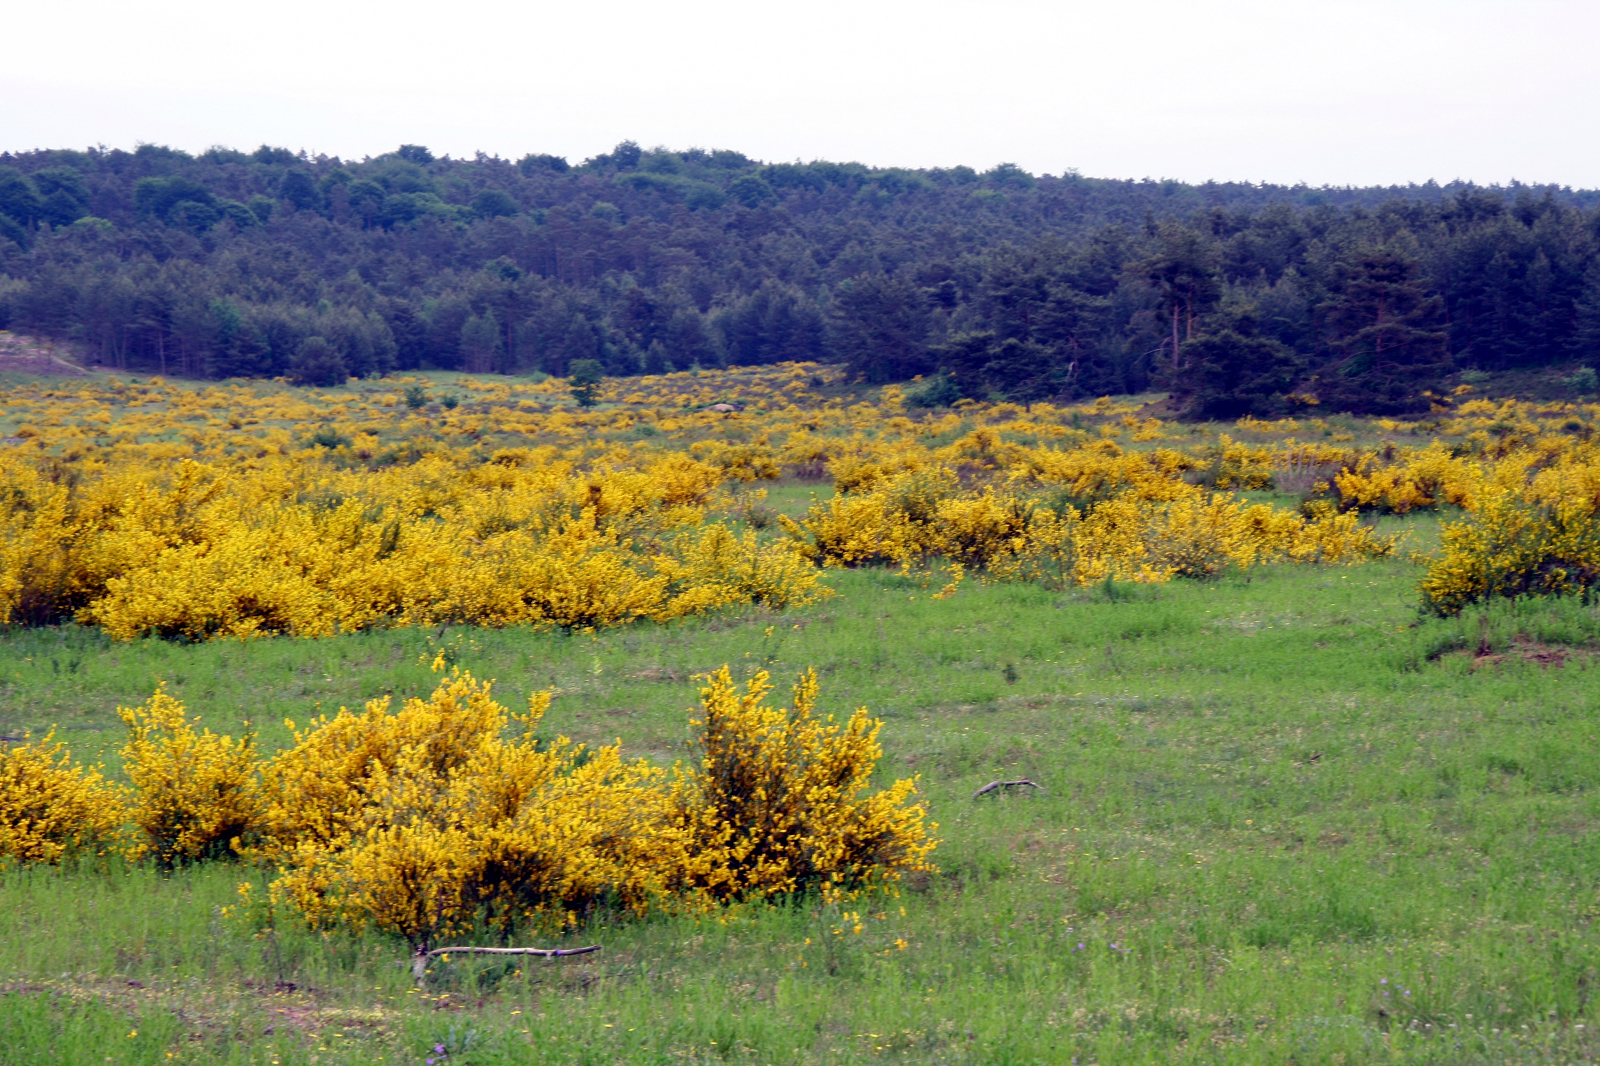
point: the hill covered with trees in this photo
(1241, 299)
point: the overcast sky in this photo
(1346, 92)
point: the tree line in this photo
(1240, 298)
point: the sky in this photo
(1354, 92)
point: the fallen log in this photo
(1007, 786)
(419, 961)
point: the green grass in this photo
(1276, 796)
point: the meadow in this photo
(1286, 814)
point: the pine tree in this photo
(1386, 336)
(316, 362)
(481, 348)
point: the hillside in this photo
(1240, 299)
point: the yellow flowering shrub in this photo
(314, 792)
(1509, 546)
(195, 794)
(51, 808)
(1082, 477)
(714, 568)
(779, 803)
(742, 462)
(1421, 479)
(1240, 466)
(429, 821)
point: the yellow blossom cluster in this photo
(429, 820)
(1511, 546)
(51, 808)
(778, 803)
(193, 793)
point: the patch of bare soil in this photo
(27, 355)
(1526, 650)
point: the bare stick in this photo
(1006, 786)
(419, 961)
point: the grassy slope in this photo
(1283, 816)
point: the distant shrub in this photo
(1108, 517)
(584, 376)
(758, 515)
(939, 391)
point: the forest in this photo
(1000, 285)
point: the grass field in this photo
(1281, 823)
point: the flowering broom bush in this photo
(429, 821)
(195, 794)
(208, 552)
(1015, 531)
(779, 803)
(1511, 547)
(51, 808)
(447, 815)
